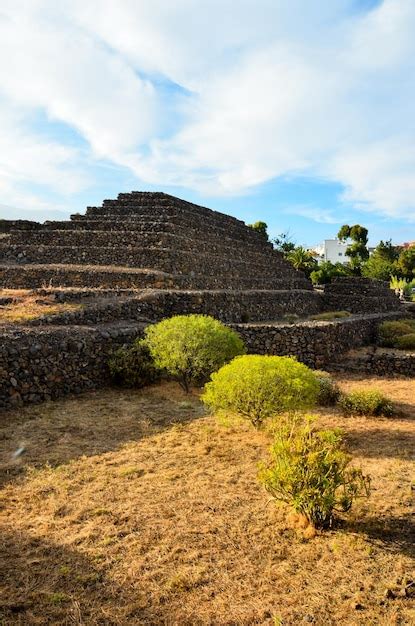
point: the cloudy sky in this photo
(295, 112)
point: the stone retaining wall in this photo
(227, 306)
(378, 364)
(42, 364)
(360, 295)
(314, 343)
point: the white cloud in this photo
(322, 216)
(268, 89)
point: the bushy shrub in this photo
(191, 347)
(329, 391)
(133, 366)
(406, 342)
(389, 332)
(257, 387)
(310, 471)
(366, 402)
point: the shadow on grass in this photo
(90, 424)
(382, 443)
(395, 534)
(42, 583)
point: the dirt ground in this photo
(25, 305)
(135, 507)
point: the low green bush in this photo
(310, 471)
(330, 315)
(406, 342)
(389, 332)
(190, 347)
(133, 366)
(329, 391)
(258, 387)
(368, 402)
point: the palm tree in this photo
(302, 260)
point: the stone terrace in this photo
(173, 243)
(146, 256)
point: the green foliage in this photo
(133, 366)
(327, 271)
(302, 260)
(357, 251)
(385, 250)
(331, 315)
(359, 234)
(406, 342)
(398, 283)
(405, 265)
(389, 332)
(283, 243)
(258, 387)
(378, 267)
(309, 470)
(369, 402)
(407, 286)
(191, 347)
(261, 228)
(344, 232)
(329, 391)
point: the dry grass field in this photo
(27, 306)
(137, 508)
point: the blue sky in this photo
(297, 113)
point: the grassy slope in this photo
(150, 513)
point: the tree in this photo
(357, 250)
(405, 265)
(261, 228)
(284, 243)
(191, 347)
(386, 251)
(381, 264)
(326, 271)
(302, 260)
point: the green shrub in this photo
(310, 471)
(257, 387)
(329, 391)
(389, 332)
(331, 315)
(366, 402)
(406, 342)
(191, 347)
(133, 366)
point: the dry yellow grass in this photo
(28, 307)
(149, 512)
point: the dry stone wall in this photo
(44, 364)
(38, 364)
(314, 343)
(151, 256)
(380, 363)
(360, 295)
(227, 306)
(204, 248)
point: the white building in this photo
(332, 250)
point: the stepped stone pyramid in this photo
(145, 239)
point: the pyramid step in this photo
(230, 306)
(147, 223)
(34, 276)
(37, 276)
(131, 239)
(164, 259)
